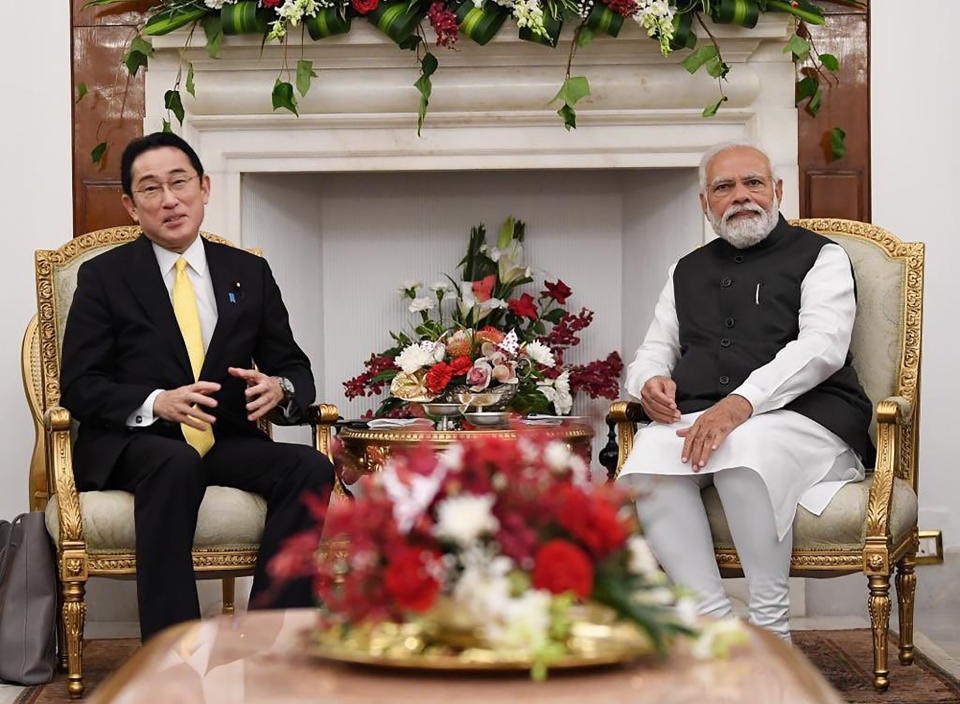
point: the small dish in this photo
(486, 418)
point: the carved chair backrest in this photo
(887, 333)
(56, 276)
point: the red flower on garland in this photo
(439, 376)
(591, 519)
(365, 6)
(444, 23)
(558, 291)
(460, 365)
(561, 567)
(483, 289)
(523, 306)
(270, 3)
(627, 8)
(409, 581)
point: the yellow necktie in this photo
(185, 309)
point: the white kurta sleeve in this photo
(828, 308)
(658, 354)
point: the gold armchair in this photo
(870, 526)
(93, 531)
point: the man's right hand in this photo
(657, 399)
(182, 405)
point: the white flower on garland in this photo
(411, 497)
(415, 357)
(529, 13)
(656, 16)
(557, 455)
(540, 353)
(213, 4)
(463, 519)
(418, 305)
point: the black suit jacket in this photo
(122, 341)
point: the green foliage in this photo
(699, 57)
(428, 65)
(189, 84)
(213, 31)
(573, 90)
(799, 47)
(166, 126)
(172, 18)
(838, 147)
(304, 73)
(830, 62)
(81, 91)
(172, 102)
(137, 55)
(711, 110)
(98, 153)
(283, 97)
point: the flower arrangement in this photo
(670, 23)
(496, 544)
(482, 341)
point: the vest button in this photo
(738, 259)
(729, 322)
(724, 380)
(726, 282)
(724, 342)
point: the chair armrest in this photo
(56, 423)
(627, 411)
(892, 413)
(322, 416)
(624, 415)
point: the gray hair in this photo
(716, 149)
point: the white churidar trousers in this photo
(675, 524)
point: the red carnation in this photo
(461, 365)
(365, 6)
(561, 567)
(523, 306)
(439, 376)
(409, 581)
(558, 291)
(590, 519)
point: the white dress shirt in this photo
(790, 452)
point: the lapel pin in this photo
(235, 293)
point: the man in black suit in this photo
(158, 358)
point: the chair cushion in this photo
(228, 518)
(839, 527)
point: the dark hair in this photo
(145, 144)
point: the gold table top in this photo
(571, 432)
(260, 658)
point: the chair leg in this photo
(74, 612)
(906, 590)
(229, 586)
(62, 663)
(879, 604)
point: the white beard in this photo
(744, 233)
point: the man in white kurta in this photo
(763, 458)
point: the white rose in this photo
(540, 353)
(421, 304)
(463, 519)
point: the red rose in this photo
(439, 376)
(461, 365)
(561, 567)
(483, 288)
(558, 291)
(365, 6)
(409, 581)
(523, 306)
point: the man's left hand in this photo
(263, 392)
(711, 428)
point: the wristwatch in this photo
(286, 386)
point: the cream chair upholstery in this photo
(870, 526)
(94, 531)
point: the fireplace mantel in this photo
(489, 109)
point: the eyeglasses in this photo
(154, 192)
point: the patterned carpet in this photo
(844, 657)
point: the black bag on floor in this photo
(28, 601)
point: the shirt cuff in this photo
(143, 416)
(287, 406)
(753, 394)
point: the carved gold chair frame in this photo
(51, 468)
(897, 434)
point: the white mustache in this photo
(734, 209)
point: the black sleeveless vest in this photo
(737, 308)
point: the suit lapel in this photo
(223, 278)
(144, 278)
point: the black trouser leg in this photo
(166, 477)
(282, 473)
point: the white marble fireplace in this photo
(347, 200)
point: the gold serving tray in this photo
(412, 646)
